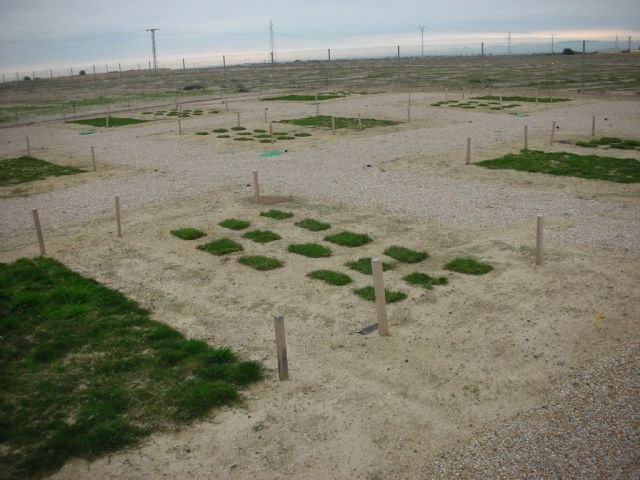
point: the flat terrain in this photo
(463, 360)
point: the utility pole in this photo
(273, 47)
(422, 27)
(153, 47)
(509, 44)
(482, 64)
(552, 36)
(629, 44)
(616, 43)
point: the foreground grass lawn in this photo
(621, 170)
(84, 371)
(27, 169)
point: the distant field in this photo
(23, 100)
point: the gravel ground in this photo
(336, 169)
(590, 430)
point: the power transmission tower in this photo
(509, 44)
(422, 27)
(153, 47)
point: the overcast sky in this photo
(61, 33)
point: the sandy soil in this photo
(461, 358)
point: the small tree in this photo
(568, 51)
(82, 72)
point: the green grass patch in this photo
(266, 141)
(262, 135)
(424, 280)
(368, 293)
(349, 239)
(302, 98)
(276, 214)
(363, 265)
(188, 233)
(286, 138)
(220, 130)
(202, 133)
(84, 371)
(613, 142)
(518, 98)
(222, 246)
(244, 133)
(234, 223)
(621, 170)
(28, 169)
(341, 122)
(238, 129)
(259, 130)
(224, 136)
(405, 255)
(313, 225)
(302, 134)
(243, 139)
(113, 121)
(261, 263)
(311, 250)
(262, 236)
(331, 277)
(468, 266)
(280, 134)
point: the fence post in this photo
(28, 147)
(468, 156)
(256, 186)
(119, 225)
(281, 348)
(539, 239)
(381, 304)
(553, 132)
(93, 159)
(526, 138)
(36, 221)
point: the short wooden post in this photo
(381, 304)
(179, 126)
(238, 115)
(317, 109)
(333, 124)
(463, 91)
(553, 132)
(36, 221)
(108, 114)
(271, 131)
(468, 156)
(537, 94)
(256, 186)
(359, 122)
(281, 348)
(593, 126)
(93, 159)
(526, 138)
(28, 147)
(119, 225)
(501, 102)
(446, 94)
(409, 111)
(265, 115)
(539, 239)
(226, 106)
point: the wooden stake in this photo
(93, 159)
(179, 126)
(468, 157)
(118, 217)
(108, 115)
(463, 93)
(265, 115)
(271, 131)
(36, 220)
(333, 124)
(317, 109)
(409, 110)
(381, 304)
(256, 186)
(553, 132)
(281, 348)
(28, 147)
(526, 138)
(238, 115)
(359, 122)
(539, 240)
(501, 102)
(446, 94)
(226, 106)
(593, 126)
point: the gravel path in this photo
(591, 430)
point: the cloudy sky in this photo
(61, 33)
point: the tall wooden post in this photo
(36, 221)
(381, 304)
(539, 239)
(118, 224)
(281, 348)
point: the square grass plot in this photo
(261, 263)
(349, 239)
(368, 293)
(222, 246)
(405, 255)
